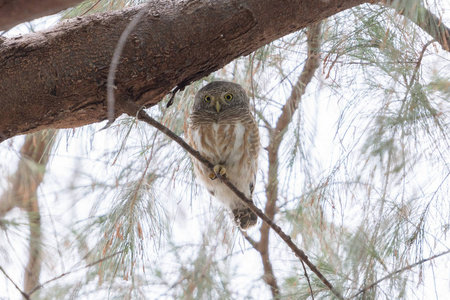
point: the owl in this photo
(222, 128)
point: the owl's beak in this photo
(218, 106)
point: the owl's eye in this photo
(228, 97)
(207, 98)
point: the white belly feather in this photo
(220, 145)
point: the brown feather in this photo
(229, 138)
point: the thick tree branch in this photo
(14, 12)
(133, 110)
(425, 19)
(57, 78)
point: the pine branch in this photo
(276, 136)
(90, 8)
(425, 19)
(23, 194)
(134, 110)
(409, 267)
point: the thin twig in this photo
(132, 109)
(115, 63)
(250, 240)
(25, 295)
(418, 64)
(307, 279)
(90, 8)
(172, 96)
(368, 287)
(73, 271)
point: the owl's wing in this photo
(254, 145)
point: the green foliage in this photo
(88, 7)
(362, 181)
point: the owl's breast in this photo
(220, 143)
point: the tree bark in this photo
(14, 12)
(57, 78)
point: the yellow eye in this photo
(207, 98)
(228, 97)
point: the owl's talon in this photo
(212, 176)
(220, 171)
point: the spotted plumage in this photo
(222, 128)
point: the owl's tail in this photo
(244, 217)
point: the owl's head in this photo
(219, 96)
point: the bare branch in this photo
(29, 174)
(23, 194)
(276, 135)
(409, 267)
(115, 63)
(307, 279)
(311, 65)
(33, 267)
(133, 110)
(250, 240)
(25, 295)
(73, 271)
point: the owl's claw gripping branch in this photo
(220, 171)
(133, 110)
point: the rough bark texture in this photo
(13, 12)
(56, 79)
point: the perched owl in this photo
(221, 127)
